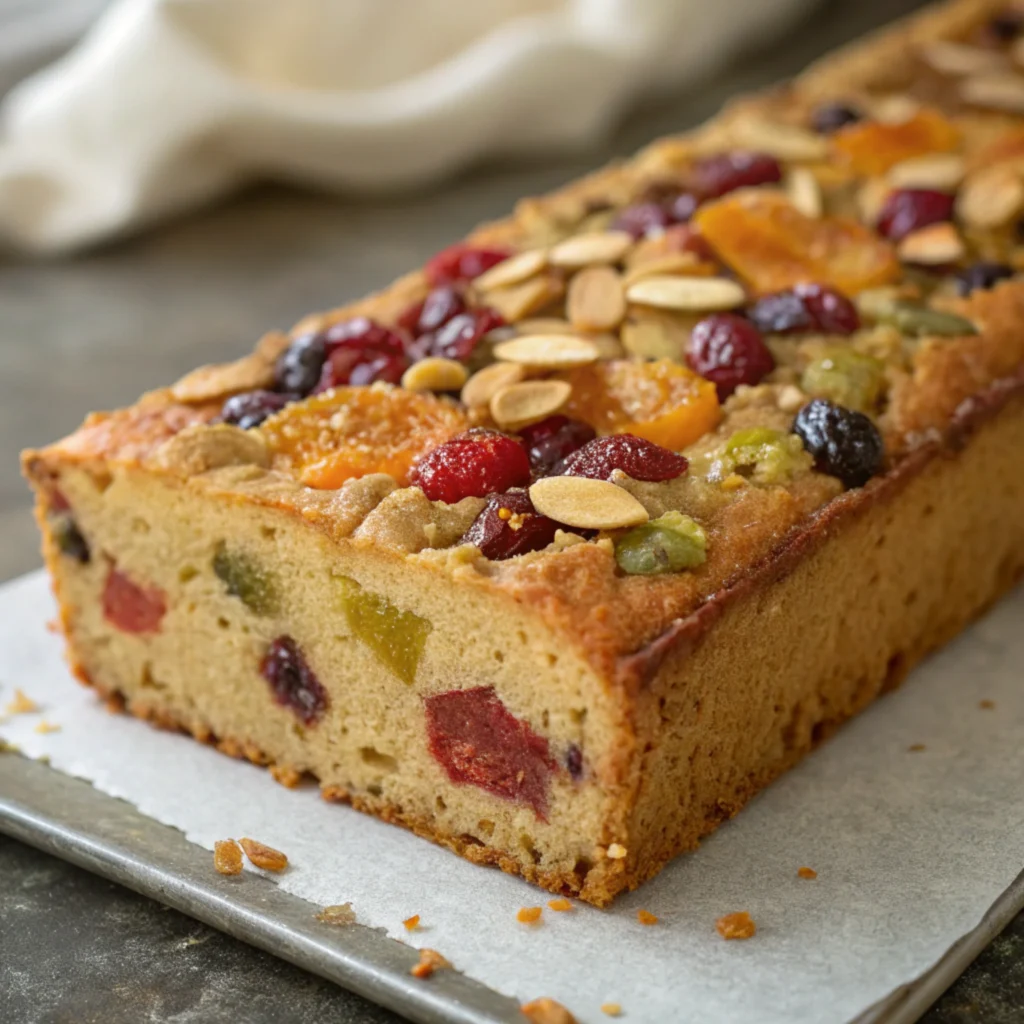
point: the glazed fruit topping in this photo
(479, 742)
(552, 439)
(845, 376)
(843, 442)
(805, 307)
(360, 351)
(830, 117)
(728, 350)
(245, 579)
(762, 455)
(983, 275)
(70, 540)
(251, 408)
(909, 209)
(574, 762)
(462, 262)
(509, 525)
(662, 207)
(459, 336)
(473, 465)
(671, 543)
(292, 681)
(297, 370)
(634, 456)
(131, 607)
(440, 305)
(717, 175)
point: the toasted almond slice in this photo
(586, 504)
(547, 351)
(997, 92)
(960, 59)
(931, 246)
(435, 374)
(518, 404)
(895, 108)
(942, 171)
(515, 269)
(608, 346)
(521, 300)
(592, 248)
(670, 263)
(785, 141)
(544, 325)
(696, 294)
(486, 383)
(990, 197)
(219, 380)
(804, 192)
(596, 299)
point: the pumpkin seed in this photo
(547, 351)
(527, 402)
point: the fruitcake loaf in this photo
(560, 548)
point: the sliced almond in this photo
(871, 198)
(932, 246)
(219, 380)
(544, 325)
(695, 294)
(586, 504)
(996, 92)
(960, 59)
(515, 269)
(522, 300)
(804, 192)
(608, 346)
(670, 263)
(784, 141)
(596, 300)
(486, 383)
(896, 108)
(519, 404)
(435, 374)
(941, 171)
(592, 248)
(547, 351)
(990, 198)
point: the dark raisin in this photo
(635, 456)
(574, 762)
(844, 443)
(509, 525)
(981, 275)
(251, 408)
(298, 368)
(729, 351)
(70, 540)
(807, 307)
(472, 465)
(292, 681)
(780, 313)
(460, 336)
(830, 117)
(552, 439)
(1006, 26)
(910, 209)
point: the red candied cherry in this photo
(552, 439)
(462, 262)
(909, 209)
(635, 456)
(714, 176)
(361, 351)
(509, 525)
(130, 606)
(807, 307)
(293, 683)
(472, 465)
(728, 350)
(440, 305)
(479, 742)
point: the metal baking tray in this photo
(68, 818)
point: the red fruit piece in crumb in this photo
(131, 607)
(478, 742)
(434, 311)
(909, 209)
(635, 456)
(462, 262)
(457, 338)
(728, 350)
(472, 465)
(293, 682)
(509, 525)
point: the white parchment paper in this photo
(911, 847)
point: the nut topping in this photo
(693, 294)
(997, 92)
(596, 299)
(513, 270)
(586, 504)
(485, 383)
(593, 248)
(783, 141)
(532, 400)
(940, 171)
(990, 198)
(952, 58)
(804, 192)
(547, 351)
(435, 374)
(932, 246)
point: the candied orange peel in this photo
(873, 147)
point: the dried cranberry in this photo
(359, 352)
(509, 525)
(434, 311)
(909, 209)
(780, 313)
(462, 262)
(361, 334)
(981, 275)
(251, 408)
(131, 607)
(729, 351)
(844, 443)
(472, 465)
(479, 742)
(642, 219)
(459, 336)
(574, 762)
(293, 682)
(635, 456)
(552, 439)
(682, 207)
(830, 117)
(70, 540)
(298, 368)
(807, 307)
(714, 176)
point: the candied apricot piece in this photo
(873, 147)
(263, 856)
(773, 246)
(349, 432)
(659, 401)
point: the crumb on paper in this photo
(560, 905)
(986, 705)
(807, 873)
(430, 961)
(337, 913)
(263, 856)
(21, 705)
(611, 1009)
(227, 857)
(646, 917)
(529, 915)
(53, 626)
(916, 748)
(45, 727)
(547, 1011)
(739, 925)
(616, 851)
(285, 775)
(412, 923)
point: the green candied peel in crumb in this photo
(671, 543)
(923, 321)
(247, 580)
(395, 637)
(761, 454)
(845, 377)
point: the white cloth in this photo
(168, 103)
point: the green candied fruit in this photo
(923, 321)
(394, 636)
(670, 543)
(247, 580)
(846, 377)
(762, 454)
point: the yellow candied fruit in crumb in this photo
(739, 925)
(560, 905)
(529, 915)
(411, 923)
(611, 1009)
(645, 917)
(807, 873)
(616, 851)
